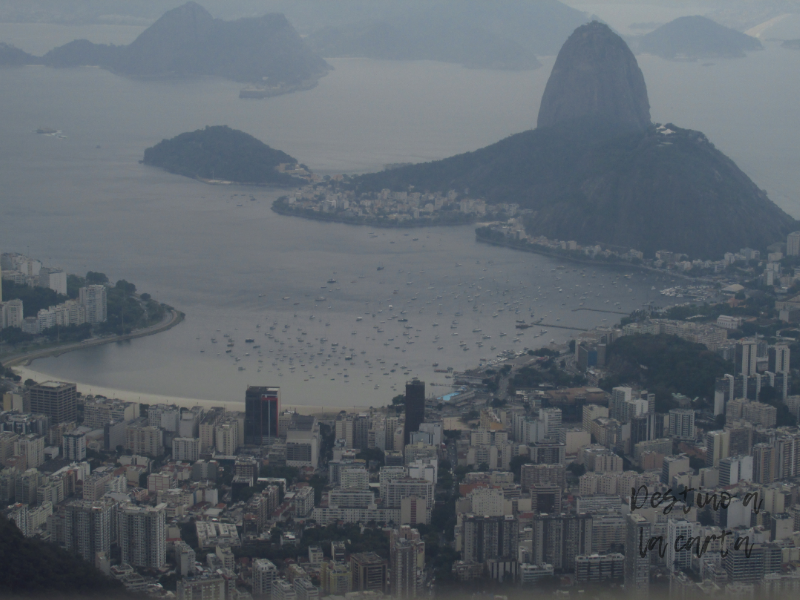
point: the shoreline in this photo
(180, 401)
(279, 208)
(23, 360)
(533, 249)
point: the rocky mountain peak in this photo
(596, 73)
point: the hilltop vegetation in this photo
(220, 153)
(586, 181)
(36, 569)
(664, 364)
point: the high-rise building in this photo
(368, 572)
(678, 560)
(637, 567)
(778, 358)
(12, 314)
(745, 357)
(735, 469)
(186, 449)
(415, 407)
(793, 244)
(406, 562)
(619, 396)
(88, 527)
(264, 575)
(226, 437)
(558, 539)
(57, 400)
(717, 447)
(681, 423)
(763, 463)
(94, 299)
(142, 536)
(262, 407)
(403, 569)
(74, 444)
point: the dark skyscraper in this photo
(262, 406)
(415, 407)
(57, 400)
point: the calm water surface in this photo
(236, 268)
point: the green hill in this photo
(35, 569)
(597, 171)
(586, 182)
(220, 152)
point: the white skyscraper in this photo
(94, 298)
(678, 560)
(746, 354)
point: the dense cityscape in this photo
(551, 470)
(577, 378)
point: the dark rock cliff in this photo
(596, 74)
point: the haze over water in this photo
(229, 267)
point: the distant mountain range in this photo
(697, 37)
(597, 171)
(475, 33)
(188, 42)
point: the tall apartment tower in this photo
(793, 244)
(264, 575)
(637, 568)
(57, 400)
(718, 447)
(94, 299)
(87, 528)
(406, 563)
(763, 463)
(415, 407)
(681, 423)
(745, 355)
(778, 359)
(142, 536)
(403, 569)
(262, 405)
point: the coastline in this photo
(176, 317)
(182, 402)
(532, 248)
(279, 208)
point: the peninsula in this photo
(46, 311)
(219, 154)
(597, 171)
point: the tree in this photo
(516, 465)
(126, 287)
(576, 469)
(95, 278)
